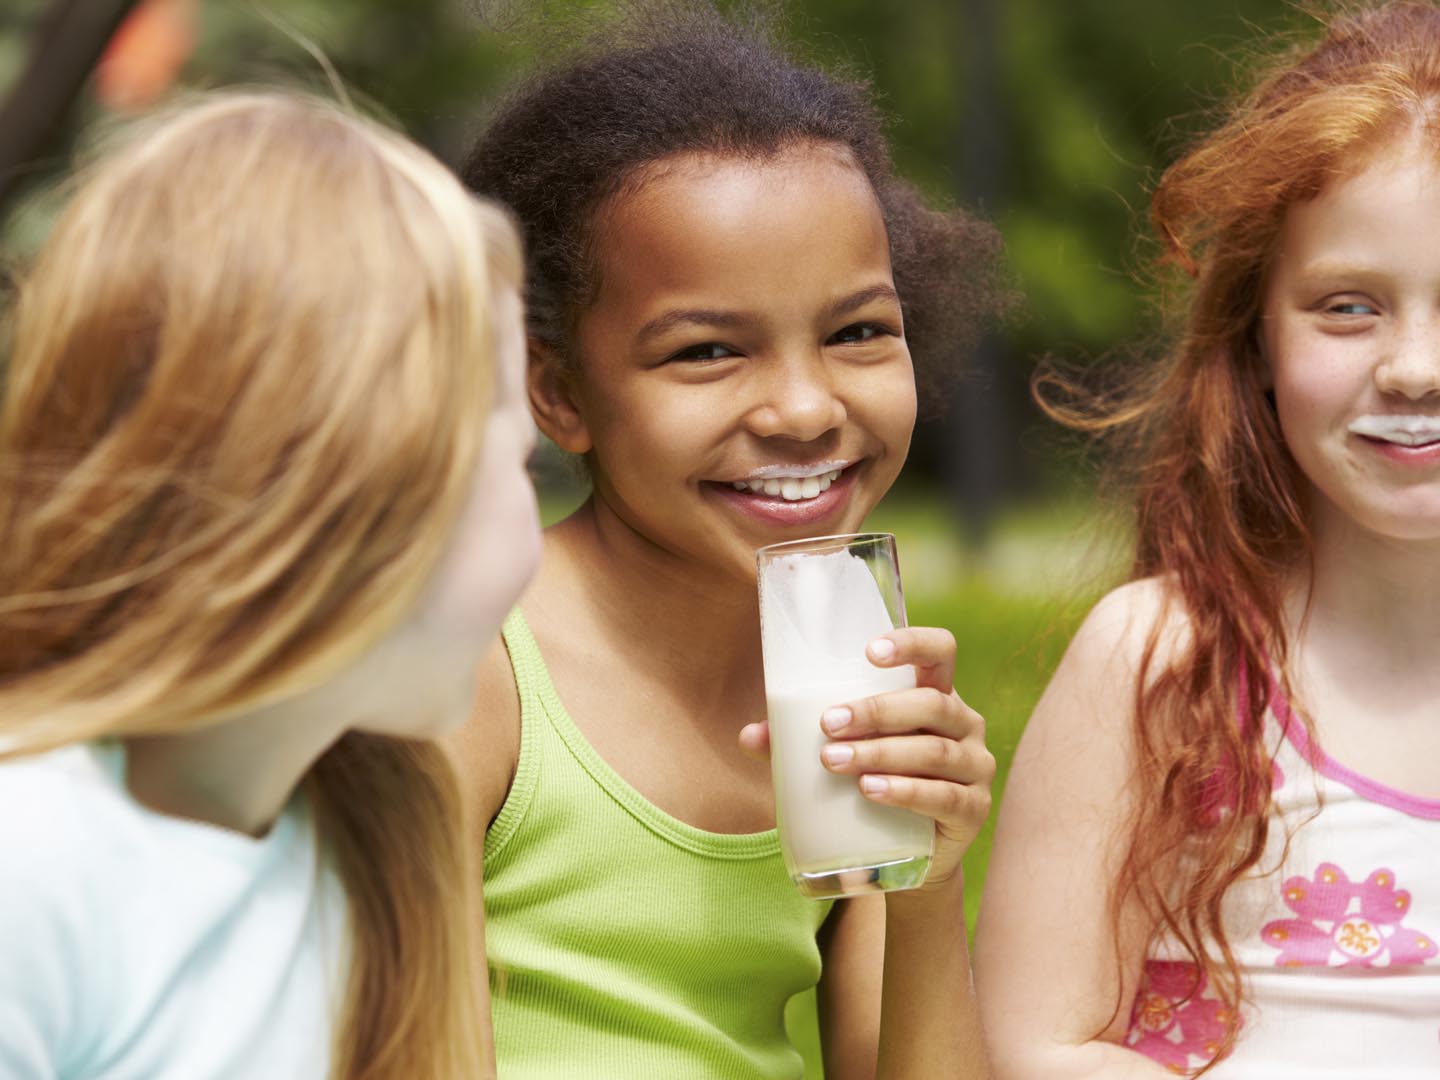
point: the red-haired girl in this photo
(1220, 850)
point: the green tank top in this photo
(622, 942)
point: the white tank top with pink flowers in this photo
(1338, 945)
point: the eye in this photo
(860, 332)
(710, 350)
(1350, 308)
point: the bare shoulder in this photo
(1085, 715)
(1126, 619)
(1108, 650)
(486, 748)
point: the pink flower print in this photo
(1172, 1022)
(1346, 924)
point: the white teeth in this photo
(789, 488)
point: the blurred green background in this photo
(1050, 116)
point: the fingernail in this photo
(838, 754)
(836, 719)
(874, 785)
(882, 648)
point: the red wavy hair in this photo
(1220, 502)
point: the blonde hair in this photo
(250, 374)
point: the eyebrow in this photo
(858, 300)
(663, 324)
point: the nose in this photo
(799, 400)
(1411, 365)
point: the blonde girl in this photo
(1220, 848)
(247, 557)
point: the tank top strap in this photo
(543, 718)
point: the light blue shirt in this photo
(136, 945)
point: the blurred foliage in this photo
(1092, 98)
(427, 66)
(1053, 115)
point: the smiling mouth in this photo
(789, 488)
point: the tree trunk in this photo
(979, 435)
(70, 37)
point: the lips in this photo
(1425, 456)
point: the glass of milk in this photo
(821, 602)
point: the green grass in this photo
(1012, 607)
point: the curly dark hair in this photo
(670, 77)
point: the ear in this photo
(552, 399)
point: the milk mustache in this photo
(818, 612)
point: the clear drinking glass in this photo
(821, 601)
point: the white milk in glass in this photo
(818, 612)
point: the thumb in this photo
(755, 739)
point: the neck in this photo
(237, 774)
(699, 626)
(1380, 595)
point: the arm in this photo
(484, 752)
(1045, 948)
(898, 967)
(852, 947)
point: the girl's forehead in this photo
(1368, 161)
(787, 233)
(694, 174)
(702, 199)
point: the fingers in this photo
(923, 709)
(921, 749)
(931, 649)
(957, 809)
(933, 757)
(943, 778)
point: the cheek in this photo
(659, 434)
(526, 537)
(495, 553)
(906, 409)
(887, 401)
(1308, 392)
